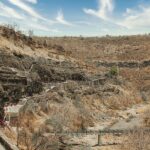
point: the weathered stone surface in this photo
(7, 144)
(124, 64)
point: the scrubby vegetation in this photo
(72, 84)
(113, 71)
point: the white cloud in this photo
(28, 9)
(37, 22)
(136, 18)
(60, 19)
(84, 23)
(32, 1)
(23, 6)
(37, 26)
(9, 12)
(105, 8)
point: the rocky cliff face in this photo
(24, 75)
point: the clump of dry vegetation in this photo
(147, 118)
(137, 139)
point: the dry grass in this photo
(147, 118)
(136, 140)
(116, 48)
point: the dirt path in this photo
(132, 117)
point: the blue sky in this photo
(77, 17)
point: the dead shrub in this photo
(147, 118)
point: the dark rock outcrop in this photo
(124, 64)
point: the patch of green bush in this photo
(114, 71)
